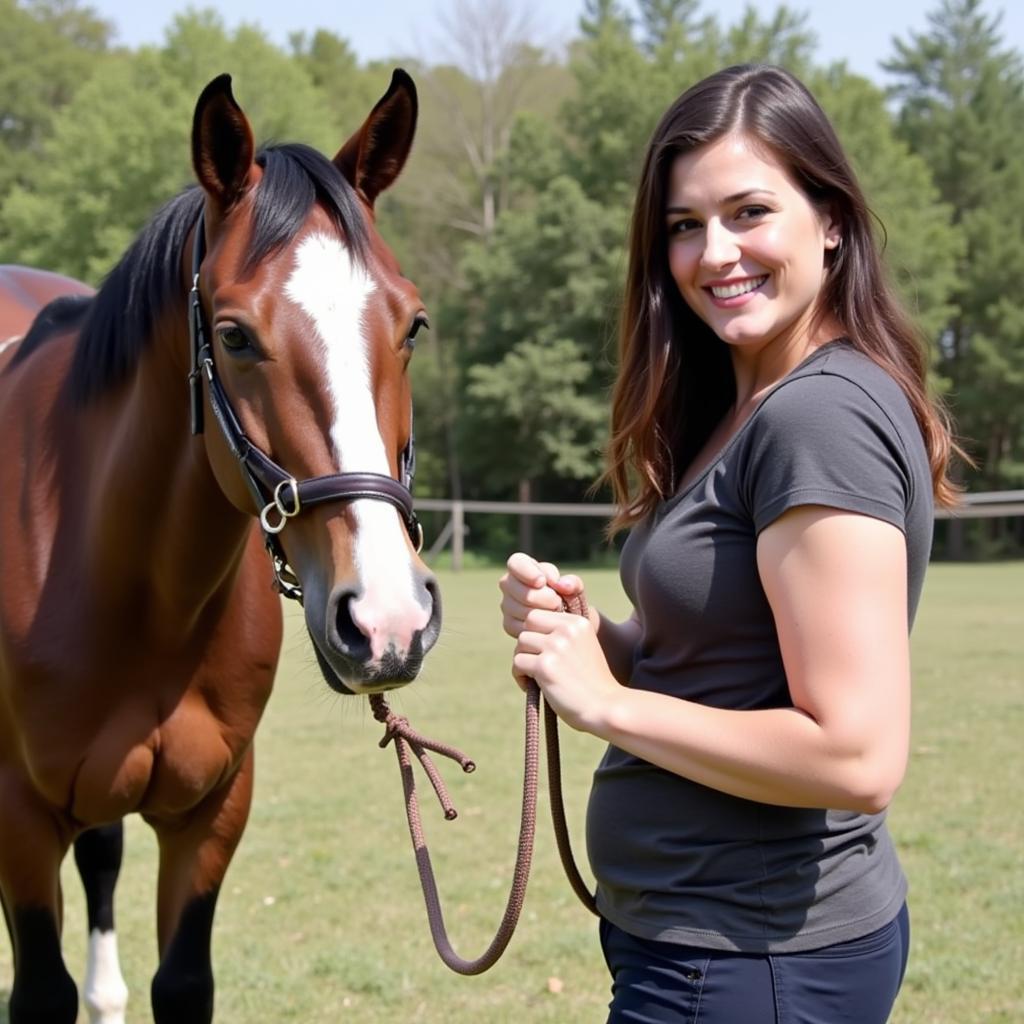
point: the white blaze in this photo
(104, 992)
(333, 291)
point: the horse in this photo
(239, 382)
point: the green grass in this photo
(321, 918)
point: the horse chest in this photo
(138, 758)
(196, 752)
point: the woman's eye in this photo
(420, 322)
(233, 339)
(752, 212)
(679, 227)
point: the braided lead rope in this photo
(397, 728)
(576, 606)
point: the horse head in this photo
(306, 328)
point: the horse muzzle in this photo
(367, 645)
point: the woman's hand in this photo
(559, 650)
(562, 653)
(529, 584)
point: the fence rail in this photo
(978, 505)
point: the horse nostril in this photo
(351, 639)
(428, 635)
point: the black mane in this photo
(122, 316)
(57, 315)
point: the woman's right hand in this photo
(530, 584)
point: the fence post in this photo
(458, 534)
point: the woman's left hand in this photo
(561, 652)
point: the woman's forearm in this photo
(778, 756)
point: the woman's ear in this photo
(833, 229)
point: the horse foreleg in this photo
(98, 857)
(194, 858)
(31, 850)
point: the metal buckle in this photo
(419, 537)
(283, 511)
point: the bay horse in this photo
(239, 380)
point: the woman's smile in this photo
(737, 292)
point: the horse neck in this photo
(161, 515)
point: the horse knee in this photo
(182, 995)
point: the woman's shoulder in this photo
(835, 384)
(838, 431)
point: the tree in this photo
(117, 150)
(962, 104)
(536, 400)
(539, 305)
(349, 90)
(921, 245)
(493, 71)
(276, 90)
(121, 147)
(51, 48)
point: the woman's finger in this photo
(569, 585)
(526, 569)
(550, 570)
(524, 664)
(529, 643)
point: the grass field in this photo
(321, 919)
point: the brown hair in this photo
(675, 379)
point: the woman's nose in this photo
(720, 248)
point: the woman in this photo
(774, 450)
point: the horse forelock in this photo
(294, 178)
(123, 317)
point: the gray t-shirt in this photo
(678, 861)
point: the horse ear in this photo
(222, 143)
(373, 158)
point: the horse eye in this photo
(234, 339)
(420, 321)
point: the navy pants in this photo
(663, 983)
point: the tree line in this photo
(512, 214)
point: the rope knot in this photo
(395, 727)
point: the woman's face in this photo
(745, 246)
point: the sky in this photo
(860, 32)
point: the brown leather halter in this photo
(278, 496)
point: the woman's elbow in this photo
(871, 789)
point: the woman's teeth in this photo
(730, 291)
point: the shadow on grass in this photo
(5, 995)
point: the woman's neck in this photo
(759, 368)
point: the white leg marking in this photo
(104, 991)
(333, 291)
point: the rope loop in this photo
(397, 728)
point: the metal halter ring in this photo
(419, 537)
(283, 510)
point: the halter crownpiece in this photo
(278, 496)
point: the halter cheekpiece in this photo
(278, 496)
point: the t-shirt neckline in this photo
(727, 447)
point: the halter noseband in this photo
(278, 495)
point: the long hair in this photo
(675, 378)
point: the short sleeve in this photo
(822, 439)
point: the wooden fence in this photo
(980, 505)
